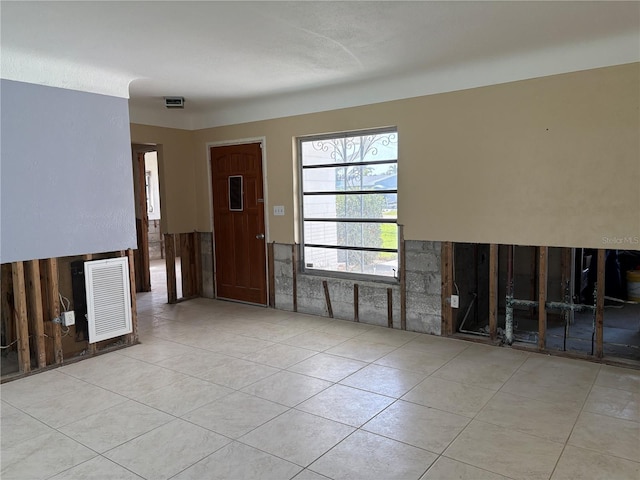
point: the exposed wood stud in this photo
(132, 338)
(193, 282)
(599, 347)
(143, 236)
(48, 345)
(390, 307)
(493, 291)
(138, 256)
(20, 315)
(92, 348)
(197, 264)
(508, 313)
(403, 279)
(447, 287)
(327, 298)
(193, 265)
(185, 265)
(533, 278)
(53, 301)
(543, 257)
(35, 310)
(565, 271)
(356, 302)
(272, 274)
(6, 305)
(170, 261)
(294, 267)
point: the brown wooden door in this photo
(238, 222)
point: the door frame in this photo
(226, 143)
(138, 152)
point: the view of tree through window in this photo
(349, 202)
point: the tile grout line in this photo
(566, 442)
(476, 414)
(367, 364)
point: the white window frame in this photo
(148, 190)
(393, 133)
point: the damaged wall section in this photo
(206, 260)
(422, 287)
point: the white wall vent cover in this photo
(108, 298)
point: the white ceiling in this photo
(242, 61)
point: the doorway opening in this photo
(152, 196)
(150, 252)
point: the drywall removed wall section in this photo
(155, 240)
(206, 260)
(306, 292)
(424, 286)
(67, 184)
(310, 296)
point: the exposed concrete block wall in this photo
(423, 290)
(283, 275)
(206, 260)
(155, 240)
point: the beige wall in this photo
(550, 161)
(176, 174)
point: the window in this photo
(147, 191)
(349, 202)
(235, 193)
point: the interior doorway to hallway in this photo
(152, 197)
(148, 213)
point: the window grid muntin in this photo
(392, 138)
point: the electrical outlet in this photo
(278, 210)
(68, 318)
(455, 301)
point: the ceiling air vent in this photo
(174, 102)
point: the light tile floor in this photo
(221, 390)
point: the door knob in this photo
(260, 236)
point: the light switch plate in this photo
(278, 210)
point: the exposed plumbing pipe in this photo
(614, 299)
(572, 285)
(515, 302)
(570, 307)
(508, 330)
(510, 302)
(593, 325)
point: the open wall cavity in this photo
(591, 307)
(44, 310)
(411, 302)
